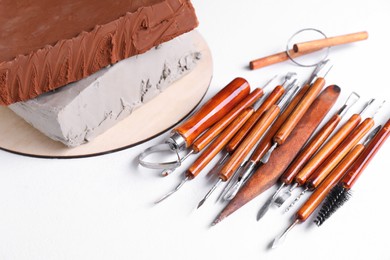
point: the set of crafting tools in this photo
(265, 137)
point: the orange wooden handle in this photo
(216, 146)
(275, 58)
(213, 110)
(334, 177)
(266, 142)
(299, 111)
(249, 142)
(271, 99)
(328, 42)
(309, 150)
(218, 127)
(327, 149)
(320, 174)
(366, 157)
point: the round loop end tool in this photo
(162, 149)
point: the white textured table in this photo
(102, 207)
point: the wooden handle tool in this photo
(219, 143)
(340, 193)
(338, 154)
(212, 111)
(184, 135)
(320, 174)
(316, 198)
(220, 125)
(289, 124)
(266, 142)
(310, 46)
(366, 157)
(212, 150)
(332, 179)
(303, 48)
(317, 141)
(267, 174)
(271, 99)
(275, 58)
(328, 148)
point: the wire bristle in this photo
(335, 199)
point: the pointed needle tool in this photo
(280, 239)
(306, 163)
(290, 123)
(213, 149)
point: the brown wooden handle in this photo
(275, 58)
(312, 147)
(334, 177)
(271, 99)
(327, 149)
(320, 174)
(218, 127)
(328, 42)
(299, 111)
(213, 110)
(219, 143)
(366, 157)
(266, 142)
(249, 142)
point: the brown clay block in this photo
(47, 44)
(268, 174)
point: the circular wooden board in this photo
(148, 121)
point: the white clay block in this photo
(78, 112)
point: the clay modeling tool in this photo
(271, 99)
(318, 196)
(252, 163)
(267, 175)
(306, 153)
(248, 144)
(212, 150)
(266, 141)
(316, 160)
(293, 119)
(341, 192)
(338, 154)
(205, 139)
(310, 46)
(211, 112)
(304, 48)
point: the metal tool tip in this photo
(280, 239)
(200, 203)
(266, 157)
(163, 198)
